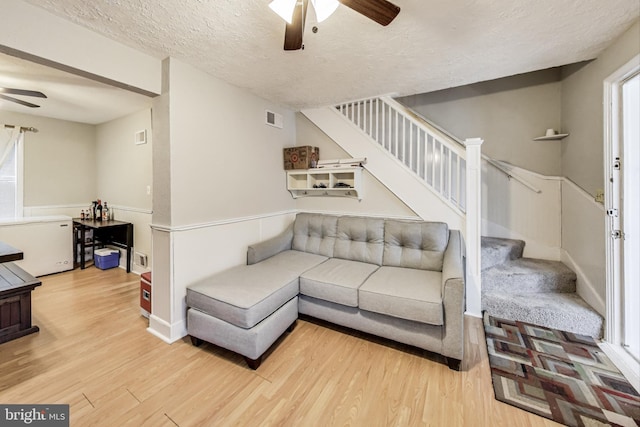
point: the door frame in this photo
(612, 138)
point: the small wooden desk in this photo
(112, 232)
(15, 302)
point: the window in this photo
(10, 173)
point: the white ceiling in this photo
(69, 97)
(431, 45)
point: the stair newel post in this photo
(473, 224)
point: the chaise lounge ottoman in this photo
(247, 308)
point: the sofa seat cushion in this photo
(246, 294)
(406, 293)
(336, 280)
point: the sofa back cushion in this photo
(360, 239)
(415, 244)
(314, 233)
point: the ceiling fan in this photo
(23, 92)
(295, 12)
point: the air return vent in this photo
(273, 119)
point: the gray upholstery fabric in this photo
(251, 343)
(402, 280)
(336, 280)
(360, 239)
(245, 295)
(421, 335)
(415, 244)
(268, 248)
(406, 293)
(453, 297)
(315, 233)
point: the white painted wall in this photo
(123, 173)
(378, 200)
(35, 31)
(514, 211)
(59, 163)
(219, 176)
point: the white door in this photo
(622, 202)
(630, 214)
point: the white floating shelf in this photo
(552, 137)
(341, 182)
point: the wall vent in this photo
(273, 119)
(140, 137)
(140, 259)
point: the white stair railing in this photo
(437, 159)
(451, 169)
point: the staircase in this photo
(533, 290)
(439, 178)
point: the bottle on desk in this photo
(99, 211)
(105, 213)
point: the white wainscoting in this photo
(583, 243)
(514, 211)
(561, 222)
(140, 218)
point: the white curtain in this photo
(8, 139)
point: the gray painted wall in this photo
(59, 160)
(507, 113)
(582, 113)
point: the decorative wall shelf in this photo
(330, 181)
(551, 137)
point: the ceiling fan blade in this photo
(18, 101)
(22, 92)
(381, 11)
(293, 32)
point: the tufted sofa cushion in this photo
(419, 245)
(314, 233)
(360, 239)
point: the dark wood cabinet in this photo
(15, 302)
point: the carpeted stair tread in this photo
(529, 275)
(496, 250)
(564, 311)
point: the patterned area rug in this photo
(558, 375)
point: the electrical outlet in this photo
(600, 196)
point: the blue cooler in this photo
(106, 258)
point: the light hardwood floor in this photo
(93, 352)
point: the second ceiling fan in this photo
(295, 12)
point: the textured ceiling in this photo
(431, 45)
(69, 97)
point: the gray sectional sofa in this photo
(401, 280)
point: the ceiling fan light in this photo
(324, 8)
(284, 8)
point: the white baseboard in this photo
(168, 333)
(585, 287)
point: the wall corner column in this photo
(474, 226)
